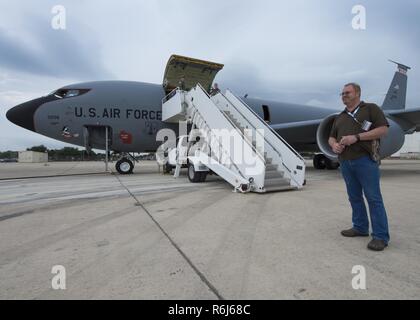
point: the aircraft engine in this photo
(390, 144)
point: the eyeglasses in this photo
(345, 93)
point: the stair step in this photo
(268, 160)
(279, 188)
(273, 174)
(271, 167)
(277, 183)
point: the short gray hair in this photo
(356, 87)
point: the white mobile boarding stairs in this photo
(259, 160)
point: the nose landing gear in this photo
(125, 164)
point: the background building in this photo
(411, 147)
(32, 156)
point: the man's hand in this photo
(337, 148)
(348, 140)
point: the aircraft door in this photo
(95, 136)
(185, 72)
(266, 113)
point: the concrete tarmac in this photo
(150, 236)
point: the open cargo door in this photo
(185, 73)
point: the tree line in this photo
(63, 154)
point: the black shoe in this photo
(377, 245)
(353, 233)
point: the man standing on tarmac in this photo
(355, 138)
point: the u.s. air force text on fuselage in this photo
(117, 113)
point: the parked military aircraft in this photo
(130, 114)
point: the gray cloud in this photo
(70, 54)
(16, 57)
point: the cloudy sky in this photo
(296, 51)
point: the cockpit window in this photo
(71, 93)
(68, 93)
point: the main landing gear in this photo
(322, 162)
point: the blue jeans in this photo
(362, 175)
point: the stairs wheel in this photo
(193, 175)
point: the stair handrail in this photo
(236, 127)
(267, 126)
(214, 138)
(271, 130)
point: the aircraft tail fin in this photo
(395, 97)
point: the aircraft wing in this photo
(305, 131)
(411, 116)
(300, 132)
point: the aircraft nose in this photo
(23, 114)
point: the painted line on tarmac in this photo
(174, 244)
(54, 176)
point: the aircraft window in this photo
(60, 93)
(72, 93)
(68, 93)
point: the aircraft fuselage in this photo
(132, 112)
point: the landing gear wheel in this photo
(193, 176)
(331, 165)
(124, 166)
(320, 161)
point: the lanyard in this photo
(353, 114)
(365, 125)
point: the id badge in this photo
(366, 125)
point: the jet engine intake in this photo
(391, 143)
